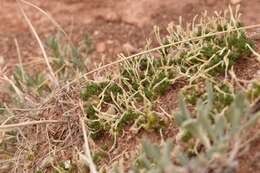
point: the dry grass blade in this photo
(47, 15)
(52, 74)
(17, 90)
(87, 157)
(29, 123)
(254, 52)
(19, 56)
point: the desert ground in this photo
(115, 27)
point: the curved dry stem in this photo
(52, 74)
(47, 15)
(87, 157)
(29, 123)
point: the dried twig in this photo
(23, 124)
(52, 74)
(46, 14)
(87, 157)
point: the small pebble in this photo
(96, 33)
(110, 42)
(100, 47)
(111, 16)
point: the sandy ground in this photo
(111, 23)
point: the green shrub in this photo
(208, 138)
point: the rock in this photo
(235, 1)
(135, 12)
(111, 16)
(129, 48)
(108, 15)
(100, 47)
(110, 42)
(96, 33)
